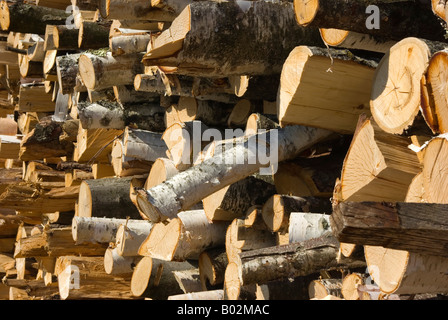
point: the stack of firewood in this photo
(131, 150)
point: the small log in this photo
(129, 43)
(258, 121)
(96, 229)
(211, 113)
(65, 37)
(94, 144)
(354, 40)
(125, 166)
(212, 266)
(291, 141)
(143, 144)
(103, 72)
(306, 226)
(130, 236)
(278, 208)
(33, 98)
(233, 201)
(116, 264)
(112, 115)
(351, 285)
(184, 237)
(54, 242)
(107, 197)
(297, 103)
(93, 35)
(127, 94)
(153, 278)
(288, 289)
(161, 170)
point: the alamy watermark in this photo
(373, 20)
(229, 146)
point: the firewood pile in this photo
(223, 150)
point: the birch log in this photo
(165, 200)
(130, 236)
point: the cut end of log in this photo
(84, 201)
(305, 11)
(232, 283)
(87, 71)
(4, 15)
(144, 206)
(395, 97)
(333, 37)
(141, 276)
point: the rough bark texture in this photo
(398, 20)
(415, 227)
(259, 25)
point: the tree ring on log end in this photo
(333, 37)
(87, 71)
(305, 10)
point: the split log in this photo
(26, 18)
(130, 236)
(303, 102)
(377, 224)
(293, 260)
(30, 69)
(232, 286)
(33, 98)
(319, 289)
(439, 8)
(278, 208)
(234, 200)
(67, 70)
(211, 113)
(416, 190)
(399, 113)
(34, 288)
(386, 169)
(116, 264)
(201, 295)
(333, 14)
(351, 285)
(102, 170)
(291, 141)
(306, 226)
(103, 72)
(354, 40)
(93, 35)
(137, 10)
(94, 144)
(112, 115)
(212, 266)
(55, 242)
(35, 199)
(36, 51)
(96, 229)
(184, 237)
(153, 278)
(258, 121)
(129, 43)
(85, 278)
(107, 197)
(177, 46)
(412, 273)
